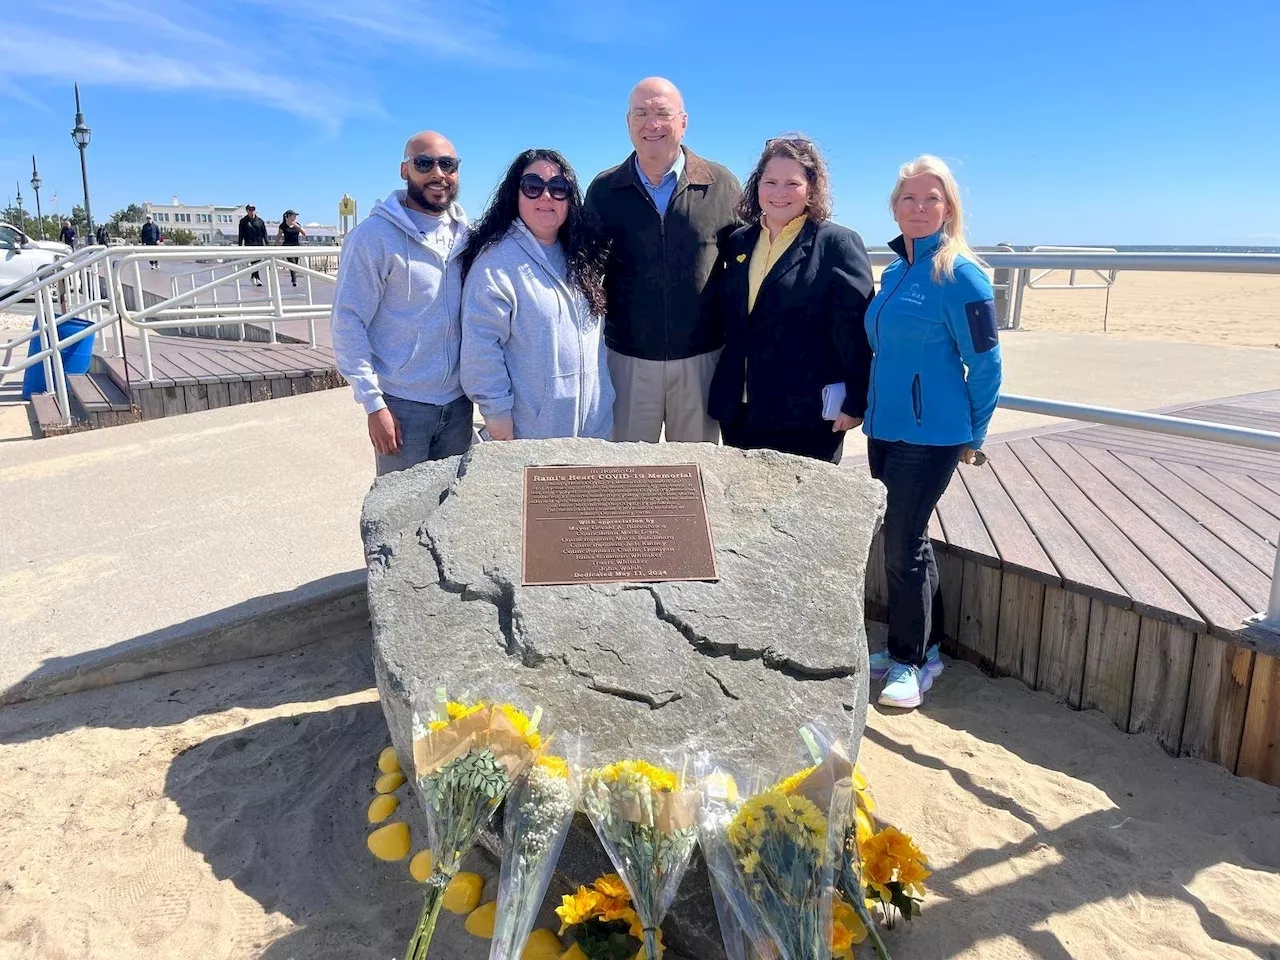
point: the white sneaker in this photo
(881, 662)
(905, 686)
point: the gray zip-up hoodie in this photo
(531, 347)
(396, 324)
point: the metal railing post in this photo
(1015, 314)
(273, 288)
(44, 317)
(59, 374)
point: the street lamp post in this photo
(81, 135)
(22, 214)
(35, 185)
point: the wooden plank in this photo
(238, 391)
(1237, 461)
(1210, 486)
(1252, 491)
(1109, 661)
(280, 387)
(951, 582)
(1015, 544)
(173, 401)
(192, 363)
(214, 362)
(1216, 701)
(218, 396)
(151, 402)
(1064, 638)
(963, 526)
(1161, 682)
(260, 390)
(1159, 573)
(299, 385)
(86, 393)
(1018, 635)
(210, 371)
(1246, 542)
(1237, 574)
(1271, 483)
(979, 613)
(1073, 558)
(176, 360)
(1260, 743)
(1178, 447)
(196, 397)
(877, 590)
(162, 364)
(1238, 416)
(117, 400)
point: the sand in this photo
(219, 813)
(1229, 309)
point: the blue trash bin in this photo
(75, 358)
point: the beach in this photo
(220, 813)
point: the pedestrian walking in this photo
(290, 234)
(151, 237)
(253, 233)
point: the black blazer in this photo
(805, 332)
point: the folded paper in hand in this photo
(832, 400)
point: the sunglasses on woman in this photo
(425, 163)
(533, 187)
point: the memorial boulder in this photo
(735, 663)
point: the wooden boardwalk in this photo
(188, 374)
(1115, 569)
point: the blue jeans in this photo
(428, 432)
(915, 476)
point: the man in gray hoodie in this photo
(396, 321)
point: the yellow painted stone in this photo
(420, 865)
(573, 953)
(388, 762)
(480, 921)
(389, 782)
(390, 842)
(463, 893)
(382, 807)
(542, 945)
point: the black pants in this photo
(915, 477)
(293, 275)
(816, 440)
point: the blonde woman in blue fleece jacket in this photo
(532, 302)
(935, 379)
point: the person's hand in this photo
(974, 458)
(500, 428)
(384, 431)
(845, 422)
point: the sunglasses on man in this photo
(425, 163)
(533, 187)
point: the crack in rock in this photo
(504, 603)
(706, 645)
(723, 686)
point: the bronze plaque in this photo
(609, 524)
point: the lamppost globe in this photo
(81, 134)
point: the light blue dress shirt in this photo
(666, 189)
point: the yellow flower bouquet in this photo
(644, 817)
(467, 755)
(601, 922)
(773, 858)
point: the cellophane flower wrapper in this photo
(540, 809)
(644, 815)
(774, 847)
(719, 802)
(468, 753)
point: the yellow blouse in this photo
(766, 254)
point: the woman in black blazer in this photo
(794, 291)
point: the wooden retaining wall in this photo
(1199, 695)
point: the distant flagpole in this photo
(55, 205)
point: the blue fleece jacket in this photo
(397, 304)
(935, 369)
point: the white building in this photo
(220, 225)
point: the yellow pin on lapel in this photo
(742, 257)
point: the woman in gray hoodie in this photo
(532, 305)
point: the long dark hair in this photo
(804, 152)
(585, 247)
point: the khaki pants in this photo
(652, 394)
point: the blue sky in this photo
(1120, 122)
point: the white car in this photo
(20, 255)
